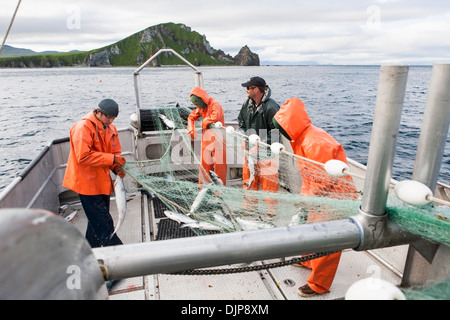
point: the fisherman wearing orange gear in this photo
(95, 151)
(213, 147)
(313, 143)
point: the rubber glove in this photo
(119, 160)
(120, 172)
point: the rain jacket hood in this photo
(92, 150)
(292, 117)
(211, 114)
(201, 93)
(314, 143)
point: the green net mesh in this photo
(173, 176)
(174, 179)
(439, 291)
(430, 221)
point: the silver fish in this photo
(71, 216)
(179, 217)
(295, 220)
(251, 168)
(254, 225)
(198, 200)
(121, 202)
(215, 178)
(169, 123)
(202, 225)
(224, 221)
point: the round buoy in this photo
(230, 129)
(277, 147)
(218, 124)
(254, 139)
(134, 120)
(374, 289)
(413, 192)
(336, 168)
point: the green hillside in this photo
(134, 50)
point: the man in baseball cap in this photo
(256, 117)
(255, 82)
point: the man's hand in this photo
(119, 160)
(120, 172)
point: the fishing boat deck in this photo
(146, 222)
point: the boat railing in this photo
(138, 85)
(40, 183)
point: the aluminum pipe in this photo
(171, 256)
(386, 124)
(433, 136)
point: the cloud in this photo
(349, 32)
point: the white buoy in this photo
(336, 168)
(230, 129)
(134, 120)
(277, 147)
(413, 192)
(218, 124)
(374, 289)
(254, 139)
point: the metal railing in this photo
(138, 85)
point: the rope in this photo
(362, 177)
(438, 201)
(10, 25)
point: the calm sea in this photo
(40, 105)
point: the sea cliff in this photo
(137, 48)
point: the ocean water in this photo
(40, 105)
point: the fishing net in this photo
(173, 177)
(429, 221)
(263, 188)
(439, 291)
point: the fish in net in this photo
(173, 177)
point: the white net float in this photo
(277, 147)
(230, 129)
(254, 139)
(374, 289)
(336, 168)
(413, 192)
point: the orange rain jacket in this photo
(213, 154)
(314, 143)
(92, 150)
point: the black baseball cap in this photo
(255, 81)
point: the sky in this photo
(356, 32)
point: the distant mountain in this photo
(135, 50)
(9, 51)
